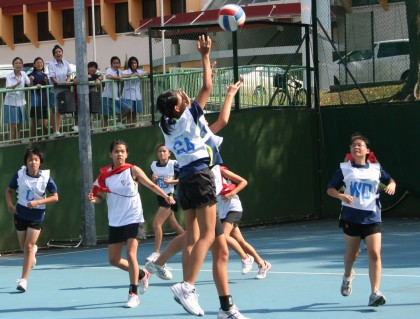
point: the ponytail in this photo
(164, 125)
(165, 105)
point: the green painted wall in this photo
(272, 149)
(394, 133)
(285, 155)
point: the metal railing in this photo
(258, 87)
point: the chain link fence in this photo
(363, 51)
(259, 54)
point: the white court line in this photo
(301, 273)
(89, 250)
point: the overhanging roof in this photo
(279, 12)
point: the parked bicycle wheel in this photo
(283, 97)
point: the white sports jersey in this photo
(362, 184)
(225, 206)
(32, 188)
(217, 178)
(163, 172)
(185, 141)
(218, 140)
(124, 203)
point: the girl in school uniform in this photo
(361, 213)
(229, 208)
(30, 184)
(165, 173)
(118, 182)
(183, 127)
(59, 72)
(132, 89)
(14, 108)
(112, 104)
(39, 100)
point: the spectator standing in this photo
(39, 99)
(14, 102)
(59, 73)
(132, 89)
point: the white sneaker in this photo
(75, 129)
(57, 135)
(133, 301)
(232, 313)
(35, 249)
(247, 264)
(162, 272)
(153, 256)
(188, 299)
(262, 271)
(346, 286)
(22, 285)
(144, 282)
(376, 299)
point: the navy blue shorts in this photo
(197, 190)
(360, 230)
(219, 228)
(23, 224)
(123, 233)
(162, 203)
(233, 218)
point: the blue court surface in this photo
(304, 281)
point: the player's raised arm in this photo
(203, 46)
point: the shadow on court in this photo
(304, 280)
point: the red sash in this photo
(371, 157)
(226, 188)
(99, 186)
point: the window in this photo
(98, 28)
(68, 23)
(389, 49)
(43, 33)
(149, 9)
(18, 36)
(121, 18)
(359, 55)
(178, 6)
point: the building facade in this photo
(31, 28)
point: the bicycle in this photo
(289, 91)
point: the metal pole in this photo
(162, 23)
(85, 146)
(315, 51)
(93, 30)
(152, 72)
(235, 66)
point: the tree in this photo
(413, 25)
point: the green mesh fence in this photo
(364, 50)
(258, 54)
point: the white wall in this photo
(105, 49)
(389, 25)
